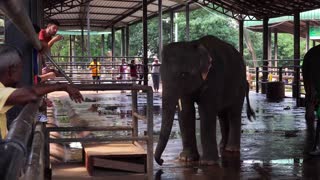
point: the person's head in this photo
(52, 27)
(10, 66)
(156, 60)
(95, 60)
(132, 61)
(123, 61)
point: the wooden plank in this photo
(113, 164)
(119, 156)
(113, 149)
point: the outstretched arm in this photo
(26, 95)
(54, 39)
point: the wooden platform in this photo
(116, 156)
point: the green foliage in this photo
(202, 22)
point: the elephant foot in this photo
(188, 156)
(205, 162)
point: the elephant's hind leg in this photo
(234, 136)
(188, 130)
(224, 129)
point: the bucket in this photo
(275, 91)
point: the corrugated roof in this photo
(103, 13)
(285, 24)
(108, 13)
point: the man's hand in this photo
(58, 37)
(74, 93)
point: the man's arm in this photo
(27, 95)
(54, 39)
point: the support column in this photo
(88, 32)
(296, 82)
(265, 56)
(187, 38)
(73, 53)
(241, 37)
(269, 49)
(112, 43)
(82, 44)
(171, 26)
(70, 56)
(14, 37)
(145, 41)
(127, 41)
(160, 43)
(275, 47)
(103, 49)
(307, 36)
(123, 40)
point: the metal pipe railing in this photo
(35, 165)
(148, 138)
(14, 149)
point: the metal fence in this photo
(20, 159)
(148, 138)
(78, 70)
(289, 74)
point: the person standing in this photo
(133, 71)
(122, 70)
(156, 74)
(95, 68)
(140, 72)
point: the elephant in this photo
(311, 80)
(211, 73)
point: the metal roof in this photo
(103, 14)
(72, 14)
(285, 24)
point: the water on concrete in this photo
(274, 146)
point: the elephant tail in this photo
(250, 112)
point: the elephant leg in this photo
(234, 122)
(208, 136)
(224, 128)
(187, 127)
(310, 107)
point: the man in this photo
(95, 68)
(10, 74)
(156, 74)
(48, 37)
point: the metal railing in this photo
(79, 72)
(148, 138)
(260, 76)
(18, 160)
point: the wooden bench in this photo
(116, 156)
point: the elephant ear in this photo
(205, 61)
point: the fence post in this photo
(280, 74)
(257, 79)
(134, 109)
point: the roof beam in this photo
(128, 13)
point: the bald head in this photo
(9, 56)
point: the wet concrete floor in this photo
(273, 146)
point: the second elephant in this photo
(212, 74)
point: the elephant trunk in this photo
(168, 111)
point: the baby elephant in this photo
(212, 74)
